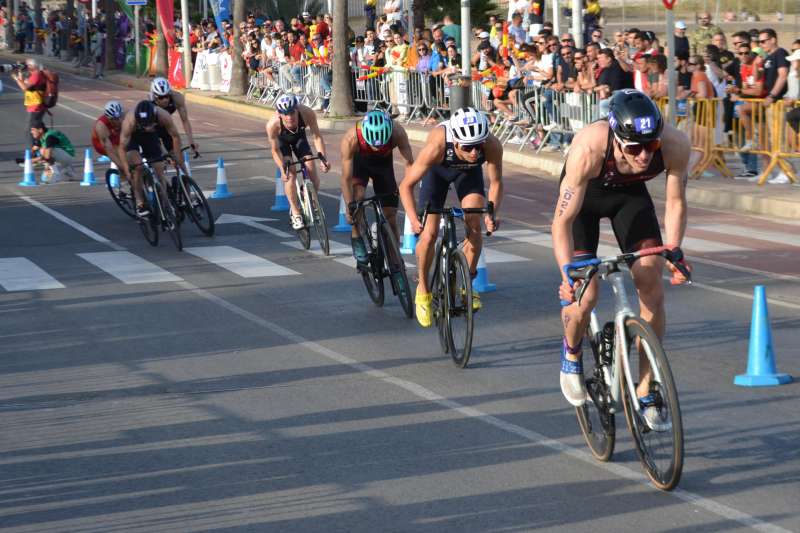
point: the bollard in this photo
(222, 182)
(88, 170)
(481, 282)
(28, 177)
(761, 369)
(342, 226)
(281, 201)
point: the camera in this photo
(13, 67)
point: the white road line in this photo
(545, 240)
(519, 197)
(239, 262)
(130, 269)
(22, 274)
(702, 245)
(712, 506)
(496, 256)
(81, 113)
(71, 223)
(790, 239)
(336, 248)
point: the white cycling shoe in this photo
(571, 377)
(652, 415)
(297, 222)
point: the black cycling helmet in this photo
(145, 114)
(634, 117)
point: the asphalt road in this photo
(245, 385)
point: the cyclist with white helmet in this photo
(163, 96)
(286, 133)
(367, 153)
(604, 177)
(106, 130)
(454, 153)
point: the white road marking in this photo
(790, 239)
(130, 269)
(336, 248)
(22, 274)
(239, 262)
(539, 238)
(213, 165)
(519, 197)
(496, 256)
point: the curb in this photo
(714, 197)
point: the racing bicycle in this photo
(162, 212)
(311, 210)
(451, 285)
(619, 348)
(384, 259)
(189, 199)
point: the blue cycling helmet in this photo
(286, 104)
(376, 128)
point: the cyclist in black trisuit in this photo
(604, 177)
(286, 132)
(164, 97)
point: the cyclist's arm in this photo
(400, 138)
(310, 119)
(676, 150)
(494, 170)
(348, 147)
(124, 138)
(166, 121)
(272, 141)
(104, 135)
(431, 154)
(180, 103)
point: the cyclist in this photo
(105, 133)
(286, 133)
(163, 96)
(367, 152)
(604, 177)
(139, 138)
(454, 153)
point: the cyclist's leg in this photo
(356, 241)
(433, 193)
(470, 190)
(383, 182)
(134, 159)
(288, 184)
(636, 227)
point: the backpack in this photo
(63, 141)
(51, 88)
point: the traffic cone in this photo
(222, 182)
(28, 177)
(761, 371)
(88, 170)
(113, 178)
(281, 201)
(186, 163)
(409, 239)
(342, 226)
(481, 282)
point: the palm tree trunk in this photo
(66, 47)
(341, 97)
(37, 24)
(239, 81)
(162, 56)
(111, 35)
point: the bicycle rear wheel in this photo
(122, 195)
(169, 218)
(197, 206)
(318, 216)
(659, 442)
(371, 274)
(397, 269)
(596, 422)
(459, 308)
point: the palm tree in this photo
(66, 33)
(239, 81)
(37, 21)
(162, 55)
(111, 32)
(341, 98)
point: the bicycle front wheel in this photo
(149, 224)
(122, 195)
(318, 215)
(397, 269)
(197, 207)
(459, 308)
(169, 218)
(657, 430)
(596, 422)
(371, 274)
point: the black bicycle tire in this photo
(439, 300)
(372, 282)
(320, 225)
(397, 269)
(669, 479)
(129, 208)
(601, 443)
(459, 354)
(208, 230)
(168, 215)
(149, 224)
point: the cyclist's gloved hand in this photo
(325, 165)
(678, 278)
(196, 152)
(491, 223)
(351, 211)
(566, 292)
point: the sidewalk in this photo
(712, 191)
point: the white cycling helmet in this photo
(286, 104)
(469, 126)
(113, 109)
(160, 87)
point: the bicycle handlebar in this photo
(355, 205)
(585, 270)
(458, 212)
(303, 160)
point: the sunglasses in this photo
(692, 64)
(637, 148)
(566, 40)
(469, 148)
(762, 41)
(742, 53)
(577, 58)
(422, 49)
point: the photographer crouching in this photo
(55, 151)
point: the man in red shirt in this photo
(297, 50)
(33, 86)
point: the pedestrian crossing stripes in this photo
(22, 274)
(239, 262)
(130, 269)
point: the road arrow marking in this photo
(253, 222)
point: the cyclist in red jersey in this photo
(604, 177)
(105, 133)
(367, 150)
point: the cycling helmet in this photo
(145, 114)
(286, 104)
(634, 117)
(160, 87)
(469, 126)
(113, 109)
(376, 128)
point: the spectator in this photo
(33, 85)
(424, 58)
(713, 70)
(393, 11)
(793, 95)
(657, 76)
(516, 31)
(566, 72)
(213, 41)
(438, 54)
(521, 7)
(684, 76)
(681, 41)
(752, 86)
(640, 70)
(611, 78)
(701, 86)
(358, 55)
(496, 35)
(597, 37)
(702, 35)
(586, 81)
(452, 29)
(536, 14)
(776, 66)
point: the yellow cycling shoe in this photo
(476, 300)
(423, 309)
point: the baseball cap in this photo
(483, 35)
(681, 25)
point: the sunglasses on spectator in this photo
(637, 148)
(742, 53)
(422, 49)
(578, 57)
(469, 148)
(566, 40)
(762, 41)
(691, 64)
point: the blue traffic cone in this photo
(88, 170)
(342, 226)
(481, 282)
(761, 371)
(222, 182)
(409, 245)
(281, 201)
(28, 177)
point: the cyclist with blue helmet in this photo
(367, 153)
(286, 132)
